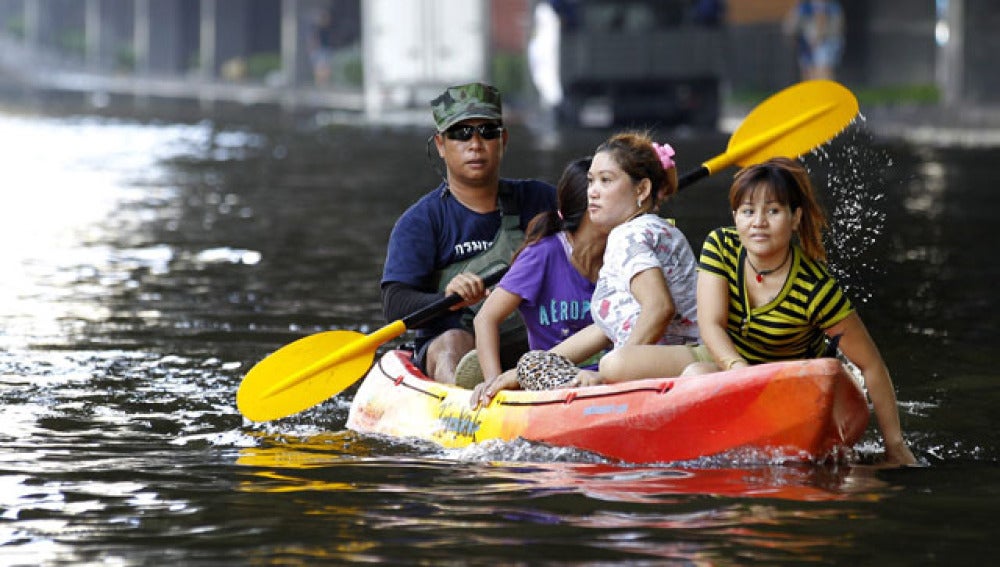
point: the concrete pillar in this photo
(951, 68)
(140, 37)
(32, 23)
(290, 42)
(93, 33)
(207, 34)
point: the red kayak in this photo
(798, 410)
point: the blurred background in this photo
(582, 62)
(191, 184)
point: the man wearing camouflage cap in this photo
(465, 229)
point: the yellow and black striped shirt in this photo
(791, 325)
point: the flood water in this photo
(147, 265)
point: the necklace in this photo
(762, 273)
(635, 215)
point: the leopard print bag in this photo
(544, 370)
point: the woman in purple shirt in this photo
(551, 278)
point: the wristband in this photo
(730, 362)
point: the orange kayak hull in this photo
(799, 410)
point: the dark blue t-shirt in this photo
(438, 230)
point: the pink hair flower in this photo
(665, 153)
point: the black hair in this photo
(571, 192)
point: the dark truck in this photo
(641, 63)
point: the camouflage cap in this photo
(462, 102)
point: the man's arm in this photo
(399, 300)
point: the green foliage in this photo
(73, 42)
(354, 73)
(194, 62)
(260, 65)
(15, 27)
(867, 96)
(509, 71)
(747, 97)
(898, 94)
(125, 58)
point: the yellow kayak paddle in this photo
(313, 369)
(789, 123)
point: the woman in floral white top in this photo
(644, 243)
(644, 302)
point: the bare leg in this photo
(445, 351)
(700, 368)
(644, 361)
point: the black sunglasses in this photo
(463, 133)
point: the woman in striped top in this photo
(765, 293)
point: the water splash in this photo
(519, 450)
(849, 175)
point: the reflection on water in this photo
(682, 513)
(288, 465)
(147, 267)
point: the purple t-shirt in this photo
(555, 296)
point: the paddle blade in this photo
(790, 123)
(258, 398)
(793, 121)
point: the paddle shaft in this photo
(692, 176)
(369, 343)
(437, 308)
